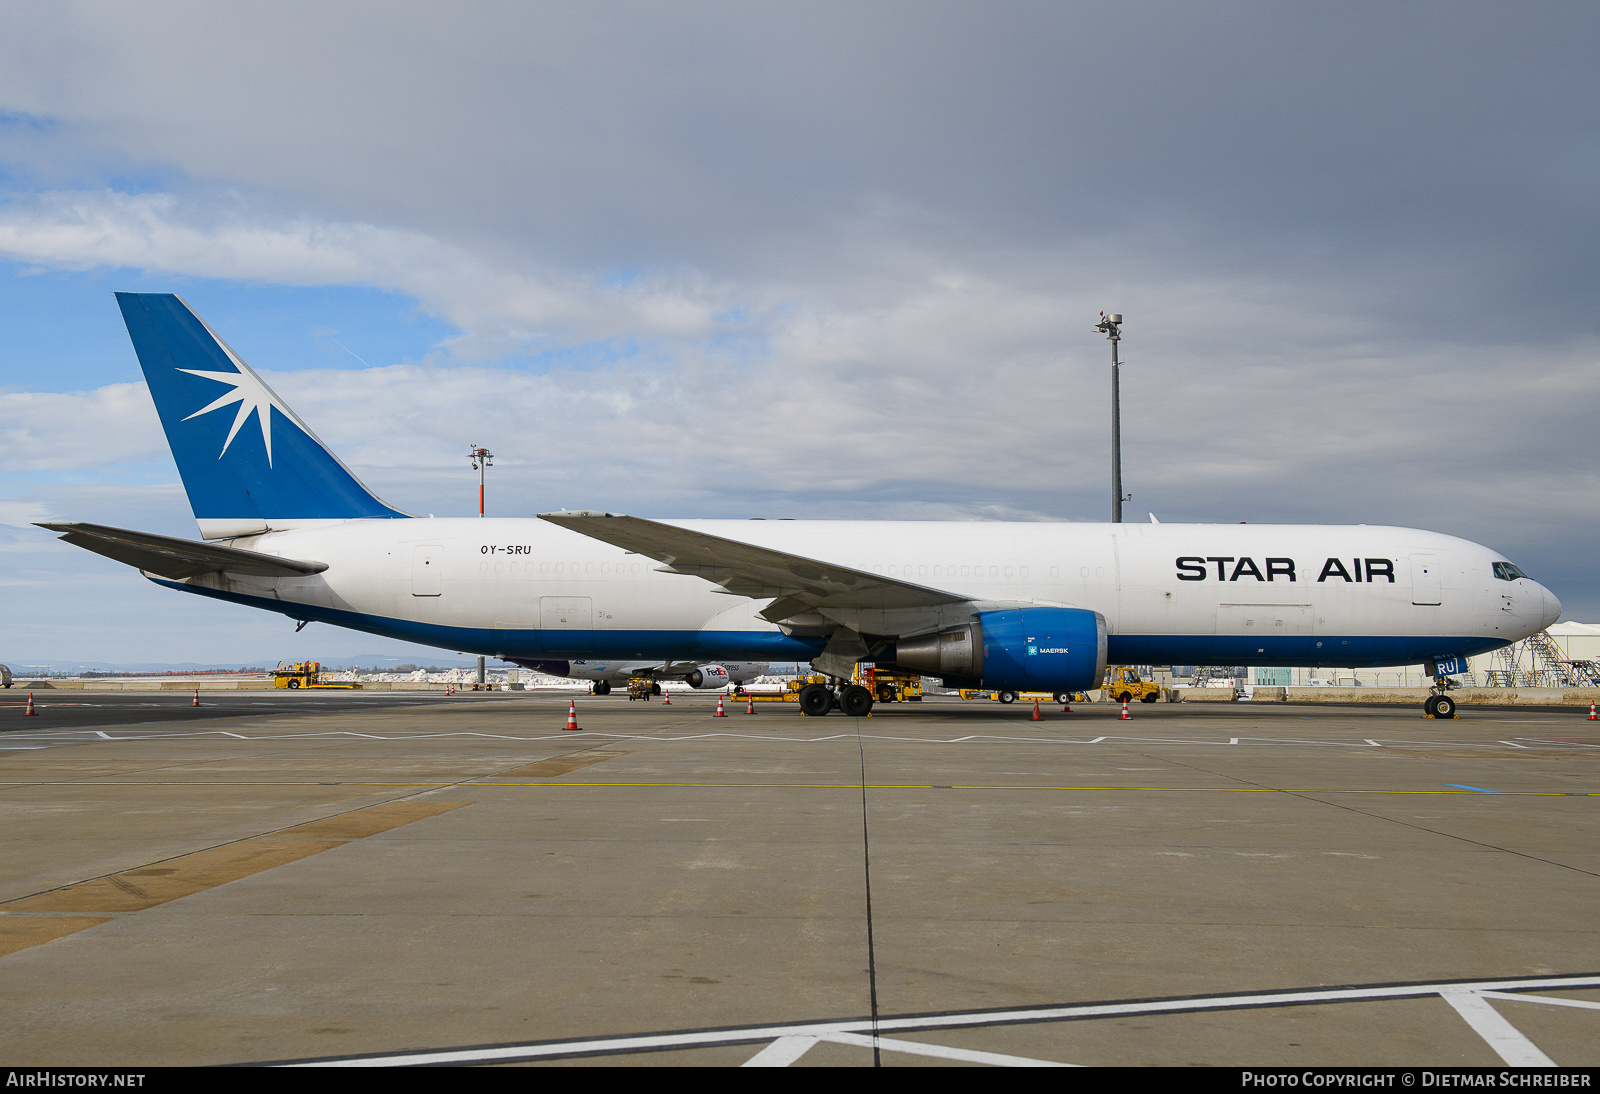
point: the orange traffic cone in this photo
(1036, 717)
(720, 712)
(1592, 718)
(196, 698)
(666, 697)
(750, 705)
(30, 712)
(1125, 716)
(572, 714)
(1066, 705)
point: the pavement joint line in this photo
(483, 782)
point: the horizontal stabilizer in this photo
(178, 558)
(748, 570)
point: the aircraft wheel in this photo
(601, 687)
(1008, 697)
(294, 683)
(815, 700)
(856, 701)
(655, 688)
(1444, 706)
(1062, 697)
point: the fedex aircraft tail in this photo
(248, 462)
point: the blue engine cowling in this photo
(1043, 649)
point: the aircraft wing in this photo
(793, 582)
(178, 558)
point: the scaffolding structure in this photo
(1537, 662)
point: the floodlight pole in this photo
(481, 459)
(1111, 327)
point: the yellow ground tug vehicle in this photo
(303, 674)
(792, 688)
(1124, 685)
(887, 686)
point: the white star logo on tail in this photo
(253, 397)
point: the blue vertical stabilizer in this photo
(245, 457)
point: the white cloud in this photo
(61, 432)
(500, 306)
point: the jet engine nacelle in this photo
(707, 677)
(1017, 649)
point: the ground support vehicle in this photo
(305, 674)
(1124, 685)
(1003, 696)
(887, 686)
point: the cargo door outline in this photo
(566, 624)
(1426, 585)
(427, 564)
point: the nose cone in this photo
(1552, 608)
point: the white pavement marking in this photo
(1550, 1000)
(943, 1052)
(863, 1027)
(781, 1053)
(1507, 1041)
(93, 736)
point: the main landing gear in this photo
(817, 700)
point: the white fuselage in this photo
(1170, 593)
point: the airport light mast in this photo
(482, 459)
(1111, 327)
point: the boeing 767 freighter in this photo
(286, 527)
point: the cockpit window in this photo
(1507, 572)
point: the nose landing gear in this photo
(1439, 706)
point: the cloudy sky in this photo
(807, 259)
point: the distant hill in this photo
(384, 662)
